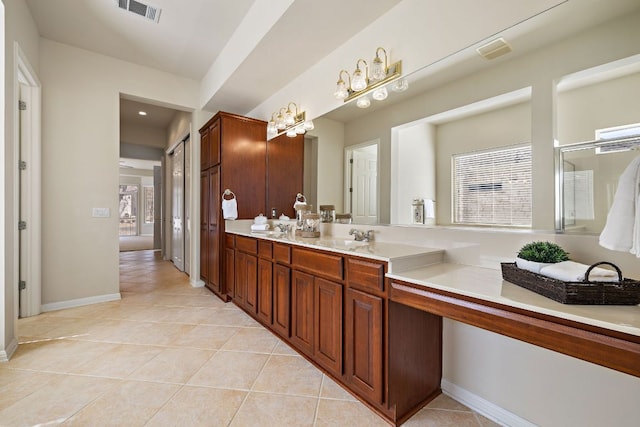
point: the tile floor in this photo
(168, 354)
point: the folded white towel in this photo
(622, 230)
(259, 227)
(429, 208)
(570, 271)
(229, 208)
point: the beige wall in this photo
(80, 167)
(150, 136)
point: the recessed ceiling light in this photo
(142, 113)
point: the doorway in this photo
(361, 178)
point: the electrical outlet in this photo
(101, 212)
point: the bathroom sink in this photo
(343, 244)
(268, 233)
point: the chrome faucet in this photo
(361, 236)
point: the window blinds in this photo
(493, 187)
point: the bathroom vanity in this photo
(370, 313)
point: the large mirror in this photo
(515, 108)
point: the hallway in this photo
(169, 354)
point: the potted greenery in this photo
(536, 255)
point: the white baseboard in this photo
(197, 283)
(6, 354)
(80, 302)
(484, 407)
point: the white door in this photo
(157, 208)
(187, 204)
(364, 184)
(177, 206)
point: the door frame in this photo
(32, 154)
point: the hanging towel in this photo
(570, 271)
(229, 208)
(622, 230)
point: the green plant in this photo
(546, 252)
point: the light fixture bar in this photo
(394, 72)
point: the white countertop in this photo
(487, 284)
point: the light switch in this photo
(100, 212)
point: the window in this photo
(618, 133)
(148, 204)
(493, 187)
(128, 210)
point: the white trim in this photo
(80, 302)
(197, 283)
(5, 355)
(483, 407)
(24, 73)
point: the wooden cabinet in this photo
(334, 310)
(262, 178)
(364, 346)
(230, 268)
(282, 300)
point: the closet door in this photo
(177, 206)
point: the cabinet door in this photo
(204, 226)
(214, 231)
(251, 296)
(205, 147)
(302, 311)
(328, 325)
(265, 291)
(240, 289)
(214, 144)
(281, 299)
(363, 341)
(230, 269)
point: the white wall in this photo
(20, 28)
(80, 164)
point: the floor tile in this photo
(173, 365)
(119, 361)
(332, 390)
(289, 375)
(270, 410)
(346, 413)
(252, 339)
(199, 406)
(206, 337)
(229, 369)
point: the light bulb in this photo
(380, 94)
(280, 122)
(358, 81)
(291, 133)
(363, 102)
(300, 130)
(377, 70)
(308, 125)
(271, 126)
(400, 85)
(288, 118)
(341, 90)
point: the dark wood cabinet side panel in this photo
(415, 357)
(285, 163)
(241, 278)
(302, 311)
(282, 299)
(230, 271)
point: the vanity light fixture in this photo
(288, 120)
(375, 80)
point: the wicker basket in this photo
(622, 292)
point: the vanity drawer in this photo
(282, 253)
(247, 244)
(265, 249)
(330, 266)
(229, 241)
(365, 275)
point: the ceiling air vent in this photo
(152, 13)
(494, 49)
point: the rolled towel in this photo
(570, 271)
(259, 227)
